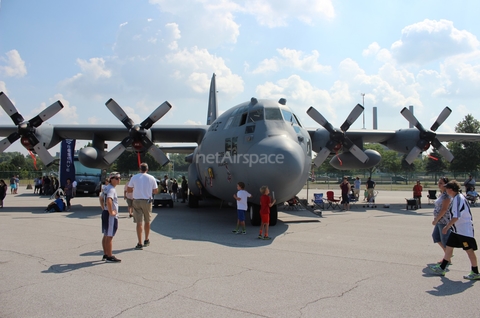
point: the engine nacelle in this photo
(404, 140)
(320, 139)
(347, 161)
(92, 158)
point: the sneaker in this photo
(267, 238)
(472, 276)
(113, 259)
(104, 258)
(260, 237)
(235, 231)
(243, 232)
(146, 243)
(139, 247)
(437, 270)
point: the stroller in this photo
(371, 200)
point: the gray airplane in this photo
(259, 142)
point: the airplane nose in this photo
(282, 167)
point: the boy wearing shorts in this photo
(110, 217)
(242, 205)
(265, 205)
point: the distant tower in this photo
(411, 110)
(375, 126)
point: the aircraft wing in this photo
(382, 136)
(172, 133)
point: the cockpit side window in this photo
(272, 113)
(288, 116)
(255, 115)
(298, 122)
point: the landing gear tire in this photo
(255, 219)
(192, 201)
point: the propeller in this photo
(427, 137)
(137, 133)
(27, 129)
(337, 136)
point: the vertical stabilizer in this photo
(212, 102)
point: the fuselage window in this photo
(273, 114)
(250, 129)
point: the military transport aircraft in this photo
(259, 142)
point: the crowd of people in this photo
(452, 217)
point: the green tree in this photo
(467, 154)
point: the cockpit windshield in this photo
(273, 113)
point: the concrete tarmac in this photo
(364, 262)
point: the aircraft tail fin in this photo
(212, 102)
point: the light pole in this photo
(363, 104)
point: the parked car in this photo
(396, 179)
(163, 199)
(88, 185)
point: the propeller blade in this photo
(7, 105)
(322, 155)
(159, 155)
(411, 119)
(156, 115)
(315, 115)
(354, 114)
(46, 114)
(355, 150)
(5, 143)
(118, 112)
(413, 154)
(43, 153)
(443, 150)
(113, 154)
(441, 118)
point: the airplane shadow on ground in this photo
(447, 287)
(210, 223)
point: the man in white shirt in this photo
(143, 186)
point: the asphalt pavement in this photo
(364, 262)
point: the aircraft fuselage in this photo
(259, 143)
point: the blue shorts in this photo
(438, 236)
(109, 224)
(241, 215)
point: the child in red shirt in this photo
(265, 205)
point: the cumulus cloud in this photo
(431, 40)
(294, 59)
(13, 66)
(275, 13)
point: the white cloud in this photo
(277, 13)
(430, 40)
(372, 49)
(14, 65)
(94, 67)
(192, 122)
(294, 59)
(3, 87)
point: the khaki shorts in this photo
(129, 203)
(142, 209)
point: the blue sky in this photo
(321, 53)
